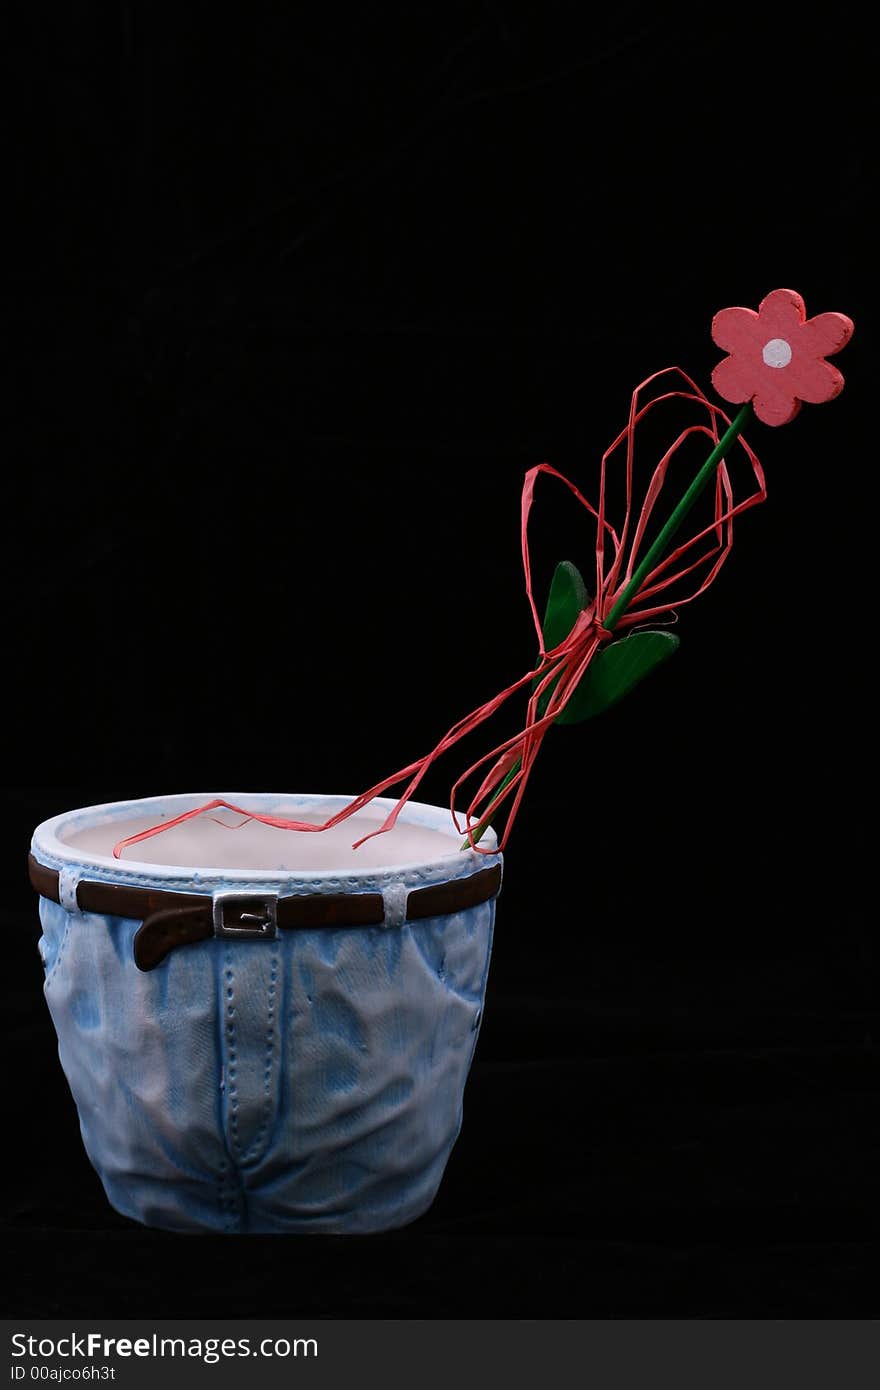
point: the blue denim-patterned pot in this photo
(270, 1080)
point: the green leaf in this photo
(568, 595)
(615, 671)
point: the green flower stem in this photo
(655, 551)
(643, 569)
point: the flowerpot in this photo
(265, 1030)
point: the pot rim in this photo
(50, 849)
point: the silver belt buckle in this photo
(246, 916)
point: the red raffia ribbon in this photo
(562, 667)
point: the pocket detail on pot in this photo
(56, 924)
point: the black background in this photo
(302, 297)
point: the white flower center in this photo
(776, 352)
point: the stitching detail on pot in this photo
(232, 1057)
(447, 871)
(255, 1150)
(62, 947)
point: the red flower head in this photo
(777, 356)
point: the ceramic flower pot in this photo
(264, 1030)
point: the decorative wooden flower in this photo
(777, 356)
(776, 360)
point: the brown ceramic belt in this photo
(181, 919)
